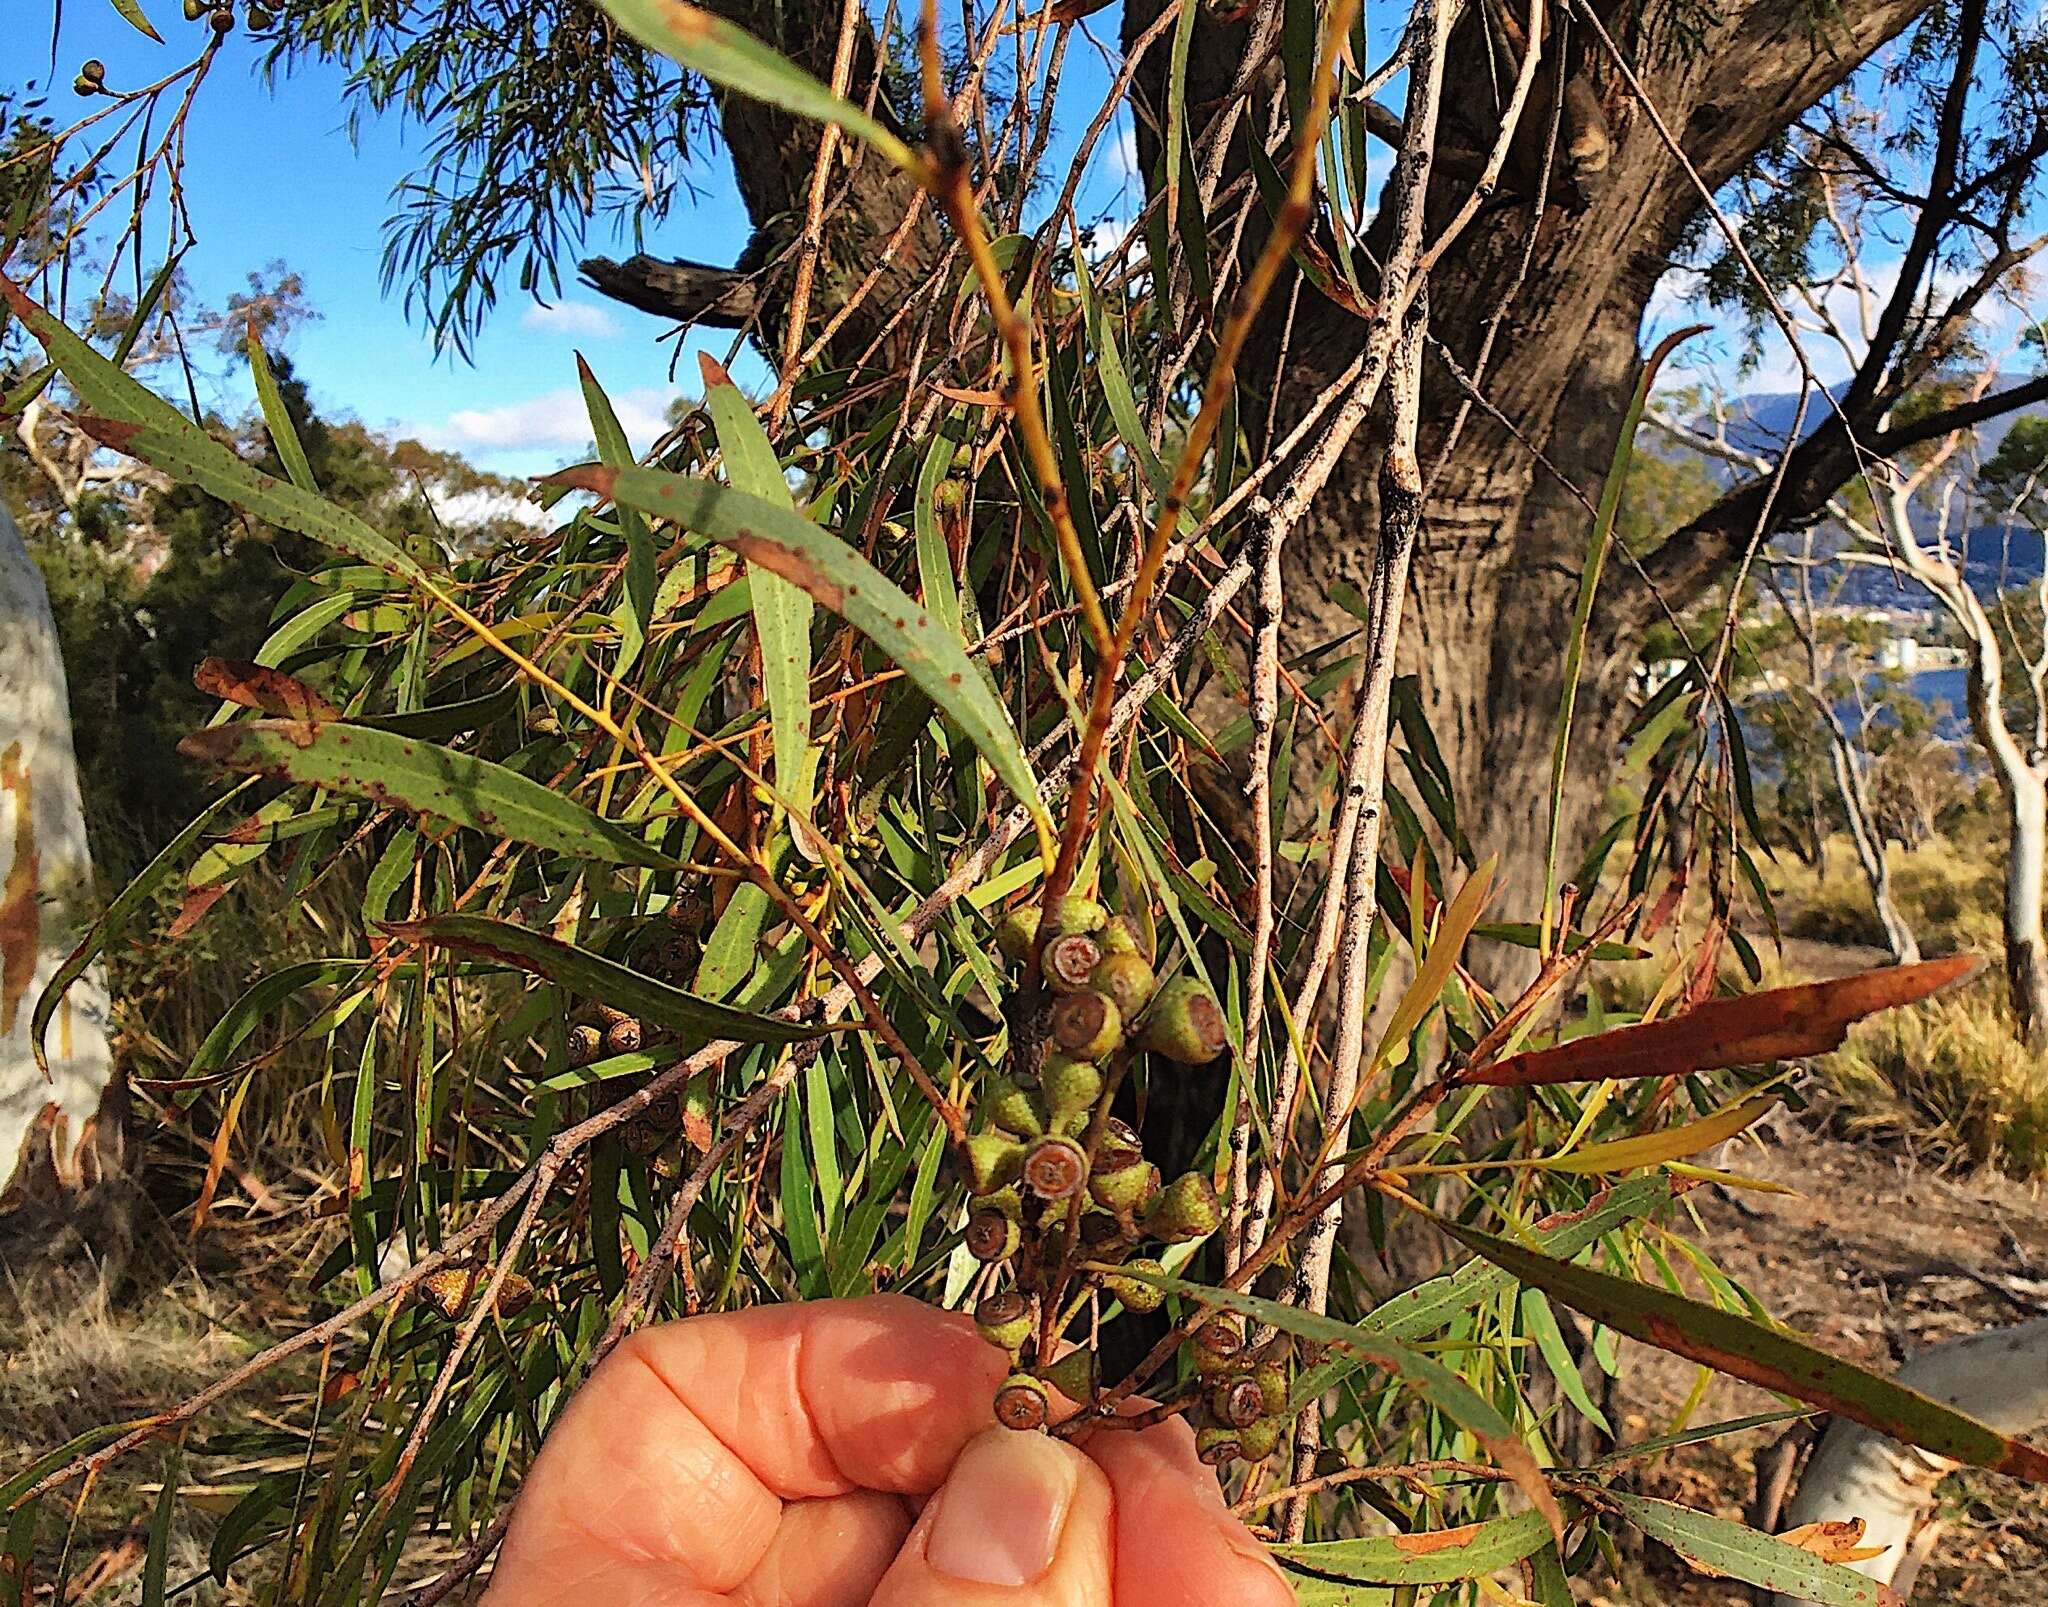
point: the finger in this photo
(828, 1553)
(1176, 1544)
(1023, 1520)
(679, 1450)
(632, 1499)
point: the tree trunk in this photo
(49, 1132)
(1899, 940)
(2000, 1377)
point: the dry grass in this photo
(1949, 1078)
(1949, 890)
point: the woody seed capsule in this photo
(1004, 1320)
(1086, 1025)
(585, 1044)
(991, 1236)
(1216, 1445)
(1055, 1168)
(1259, 1440)
(1138, 1295)
(1068, 961)
(1021, 1403)
(1217, 1344)
(1185, 1023)
(623, 1037)
(1239, 1402)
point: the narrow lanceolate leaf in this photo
(1736, 1551)
(782, 610)
(1589, 587)
(1781, 1024)
(277, 421)
(114, 920)
(1435, 970)
(128, 418)
(1667, 1144)
(843, 581)
(132, 14)
(1436, 1383)
(361, 762)
(1431, 1557)
(736, 59)
(1768, 1357)
(615, 449)
(594, 977)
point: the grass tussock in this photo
(1948, 889)
(1950, 1079)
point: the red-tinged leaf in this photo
(257, 686)
(1765, 1356)
(1781, 1024)
(193, 907)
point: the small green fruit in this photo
(1185, 1023)
(1127, 1191)
(949, 497)
(1017, 931)
(1216, 1445)
(1087, 1025)
(993, 1235)
(1021, 1403)
(1238, 1401)
(1068, 961)
(993, 1159)
(1186, 1209)
(1070, 1085)
(1055, 1168)
(1120, 936)
(1136, 1294)
(1078, 914)
(1259, 1440)
(1004, 1320)
(1127, 979)
(1008, 1104)
(1217, 1345)
(1074, 1376)
(1271, 1378)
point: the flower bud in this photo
(1021, 1403)
(1136, 1294)
(1087, 1025)
(1257, 1441)
(1185, 1023)
(1074, 1376)
(992, 1235)
(1068, 961)
(993, 1159)
(1055, 1168)
(585, 1044)
(1004, 1320)
(1238, 1401)
(1217, 1345)
(1216, 1445)
(1186, 1209)
(1012, 1107)
(1017, 931)
(1127, 979)
(1070, 1085)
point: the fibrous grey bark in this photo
(45, 892)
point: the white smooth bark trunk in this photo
(46, 891)
(1999, 1377)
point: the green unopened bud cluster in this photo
(1057, 1182)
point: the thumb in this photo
(1021, 1521)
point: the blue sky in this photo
(273, 174)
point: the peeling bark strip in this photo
(1780, 1024)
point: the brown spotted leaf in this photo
(1768, 1357)
(1781, 1024)
(258, 686)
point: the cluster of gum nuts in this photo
(1031, 1158)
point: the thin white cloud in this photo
(553, 422)
(572, 318)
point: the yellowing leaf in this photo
(1460, 916)
(1671, 1144)
(1832, 1540)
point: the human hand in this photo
(843, 1453)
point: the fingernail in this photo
(1002, 1510)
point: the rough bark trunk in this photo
(48, 1131)
(2000, 1377)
